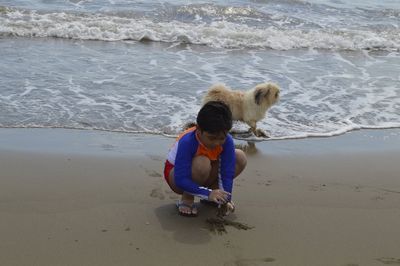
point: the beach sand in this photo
(70, 197)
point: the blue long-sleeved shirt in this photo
(186, 148)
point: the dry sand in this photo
(94, 198)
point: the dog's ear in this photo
(260, 94)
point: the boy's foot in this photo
(185, 209)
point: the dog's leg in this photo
(252, 125)
(256, 131)
(260, 133)
(253, 128)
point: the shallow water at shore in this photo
(156, 88)
(130, 66)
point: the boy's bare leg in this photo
(201, 167)
(241, 162)
(240, 165)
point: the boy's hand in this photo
(230, 208)
(225, 209)
(219, 196)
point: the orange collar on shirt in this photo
(211, 154)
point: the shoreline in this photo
(72, 197)
(98, 141)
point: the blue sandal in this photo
(192, 207)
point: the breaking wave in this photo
(214, 33)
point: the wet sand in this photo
(71, 197)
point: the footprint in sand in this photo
(250, 262)
(268, 183)
(156, 158)
(320, 187)
(172, 195)
(389, 261)
(157, 193)
(151, 173)
(377, 198)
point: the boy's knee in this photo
(201, 167)
(241, 159)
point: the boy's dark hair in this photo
(214, 117)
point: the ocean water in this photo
(144, 66)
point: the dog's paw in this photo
(260, 133)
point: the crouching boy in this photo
(203, 161)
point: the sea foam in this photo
(218, 34)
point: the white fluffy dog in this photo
(247, 106)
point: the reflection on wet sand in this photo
(249, 147)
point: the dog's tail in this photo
(215, 93)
